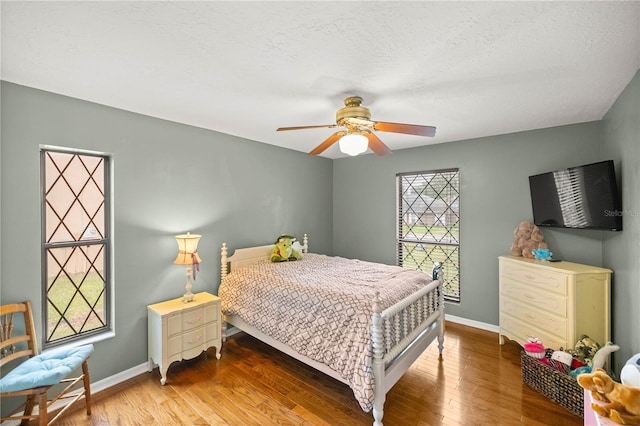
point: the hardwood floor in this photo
(477, 382)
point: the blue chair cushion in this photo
(46, 369)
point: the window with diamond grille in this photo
(75, 244)
(429, 224)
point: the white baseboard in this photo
(472, 323)
(106, 383)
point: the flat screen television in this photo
(583, 197)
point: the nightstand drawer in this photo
(193, 339)
(174, 324)
(212, 313)
(174, 345)
(212, 332)
(192, 319)
(539, 278)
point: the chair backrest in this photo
(23, 344)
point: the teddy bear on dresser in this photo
(527, 237)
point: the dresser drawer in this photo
(550, 302)
(536, 277)
(543, 320)
(521, 331)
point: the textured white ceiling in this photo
(471, 69)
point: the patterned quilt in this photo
(321, 307)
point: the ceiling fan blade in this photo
(279, 129)
(376, 145)
(327, 143)
(408, 129)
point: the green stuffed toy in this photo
(283, 250)
(585, 349)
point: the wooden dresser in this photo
(555, 301)
(179, 330)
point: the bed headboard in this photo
(249, 255)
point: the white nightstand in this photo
(180, 330)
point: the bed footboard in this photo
(401, 333)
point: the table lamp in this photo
(188, 255)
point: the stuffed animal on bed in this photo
(283, 250)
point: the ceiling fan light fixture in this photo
(357, 134)
(353, 144)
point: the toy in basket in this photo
(534, 348)
(560, 360)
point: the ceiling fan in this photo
(358, 133)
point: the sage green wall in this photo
(495, 197)
(172, 178)
(168, 178)
(622, 250)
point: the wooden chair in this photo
(39, 373)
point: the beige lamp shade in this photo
(187, 249)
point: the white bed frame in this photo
(413, 319)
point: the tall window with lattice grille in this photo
(76, 241)
(429, 224)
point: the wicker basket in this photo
(558, 387)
